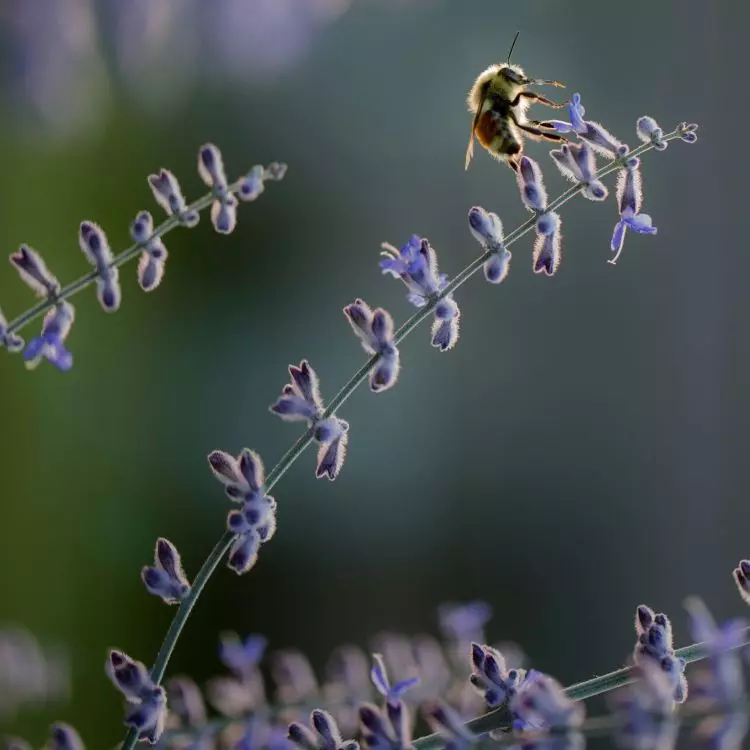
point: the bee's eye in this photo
(511, 75)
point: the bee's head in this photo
(513, 74)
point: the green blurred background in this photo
(581, 451)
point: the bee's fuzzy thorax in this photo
(491, 81)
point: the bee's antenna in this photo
(512, 45)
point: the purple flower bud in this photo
(242, 657)
(96, 248)
(251, 186)
(149, 716)
(547, 254)
(34, 272)
(167, 578)
(168, 195)
(464, 623)
(154, 255)
(445, 327)
(490, 676)
(332, 451)
(487, 229)
(649, 132)
(243, 553)
(416, 265)
(742, 579)
(294, 677)
(50, 345)
(211, 166)
(64, 737)
(11, 341)
(130, 677)
(548, 223)
(531, 184)
(275, 171)
(687, 132)
(541, 704)
(629, 198)
(447, 722)
(302, 737)
(224, 214)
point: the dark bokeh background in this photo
(581, 451)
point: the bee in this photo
(498, 100)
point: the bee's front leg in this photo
(537, 98)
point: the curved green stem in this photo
(278, 471)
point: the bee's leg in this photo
(534, 132)
(537, 98)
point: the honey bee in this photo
(498, 100)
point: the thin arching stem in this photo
(278, 471)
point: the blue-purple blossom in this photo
(300, 400)
(490, 676)
(168, 195)
(34, 272)
(50, 345)
(540, 703)
(416, 265)
(629, 199)
(166, 578)
(547, 253)
(148, 711)
(448, 723)
(9, 340)
(185, 701)
(251, 185)
(654, 643)
(487, 230)
(93, 242)
(242, 657)
(600, 139)
(324, 734)
(576, 162)
(464, 622)
(531, 184)
(649, 132)
(742, 578)
(723, 681)
(255, 522)
(645, 709)
(375, 331)
(64, 737)
(154, 255)
(387, 729)
(224, 206)
(379, 676)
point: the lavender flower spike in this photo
(10, 341)
(50, 345)
(487, 230)
(64, 737)
(375, 330)
(34, 272)
(168, 195)
(301, 400)
(166, 578)
(154, 255)
(654, 644)
(95, 247)
(252, 185)
(149, 709)
(629, 198)
(211, 170)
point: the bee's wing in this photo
(470, 147)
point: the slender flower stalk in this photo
(247, 188)
(493, 720)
